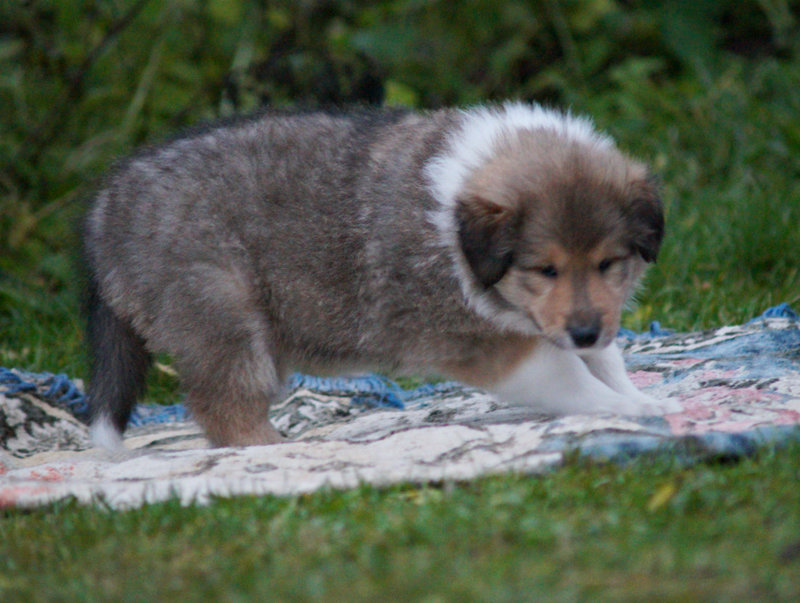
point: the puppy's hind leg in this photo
(232, 401)
(221, 340)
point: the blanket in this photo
(738, 388)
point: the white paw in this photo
(647, 405)
(637, 404)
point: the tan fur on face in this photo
(579, 292)
(572, 203)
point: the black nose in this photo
(584, 335)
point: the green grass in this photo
(79, 87)
(649, 531)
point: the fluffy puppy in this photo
(495, 245)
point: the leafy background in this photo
(706, 90)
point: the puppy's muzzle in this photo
(584, 332)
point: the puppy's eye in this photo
(547, 271)
(605, 265)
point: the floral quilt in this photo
(738, 388)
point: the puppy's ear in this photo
(488, 234)
(646, 217)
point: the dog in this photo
(496, 245)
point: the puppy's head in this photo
(560, 231)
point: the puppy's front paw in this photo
(647, 405)
(636, 404)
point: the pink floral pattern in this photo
(729, 380)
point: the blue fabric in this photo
(150, 414)
(655, 330)
(686, 449)
(56, 388)
(783, 310)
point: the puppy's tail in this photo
(119, 364)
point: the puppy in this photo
(495, 245)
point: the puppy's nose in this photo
(584, 334)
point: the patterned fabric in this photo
(739, 388)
